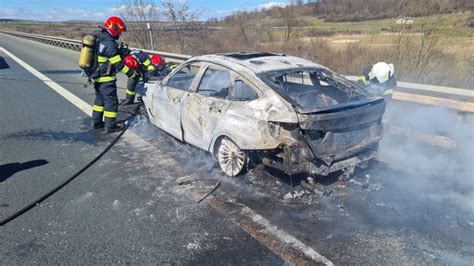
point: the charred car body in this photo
(293, 114)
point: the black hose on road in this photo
(78, 173)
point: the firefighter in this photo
(110, 62)
(161, 66)
(379, 79)
(146, 66)
(140, 62)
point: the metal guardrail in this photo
(415, 92)
(77, 44)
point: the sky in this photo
(62, 10)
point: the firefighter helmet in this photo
(157, 60)
(115, 26)
(382, 72)
(131, 62)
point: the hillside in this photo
(360, 10)
(421, 51)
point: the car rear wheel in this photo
(231, 158)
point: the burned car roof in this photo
(259, 61)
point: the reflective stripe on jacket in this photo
(109, 59)
(143, 59)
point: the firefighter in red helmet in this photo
(160, 64)
(110, 63)
(139, 61)
(145, 66)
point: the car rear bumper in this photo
(300, 158)
(317, 168)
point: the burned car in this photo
(289, 113)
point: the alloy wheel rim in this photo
(231, 158)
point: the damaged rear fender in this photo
(251, 125)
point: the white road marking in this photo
(76, 101)
(257, 218)
(284, 236)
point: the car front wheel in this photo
(231, 158)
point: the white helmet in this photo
(382, 72)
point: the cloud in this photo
(56, 14)
(139, 9)
(64, 14)
(245, 6)
(271, 5)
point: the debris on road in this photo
(363, 185)
(188, 180)
(470, 224)
(310, 186)
(294, 195)
(210, 192)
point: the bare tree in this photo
(290, 20)
(179, 14)
(417, 48)
(243, 25)
(138, 13)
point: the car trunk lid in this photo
(341, 131)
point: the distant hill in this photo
(80, 21)
(361, 10)
(7, 20)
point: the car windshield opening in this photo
(314, 88)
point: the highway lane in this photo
(58, 64)
(43, 139)
(399, 217)
(103, 216)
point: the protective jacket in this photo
(387, 87)
(143, 60)
(109, 59)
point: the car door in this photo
(205, 109)
(172, 96)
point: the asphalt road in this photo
(138, 203)
(104, 216)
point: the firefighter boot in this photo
(98, 125)
(114, 128)
(128, 101)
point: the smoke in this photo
(434, 146)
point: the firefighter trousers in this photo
(131, 88)
(106, 103)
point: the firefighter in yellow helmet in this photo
(379, 79)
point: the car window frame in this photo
(192, 87)
(236, 76)
(204, 68)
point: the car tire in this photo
(232, 160)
